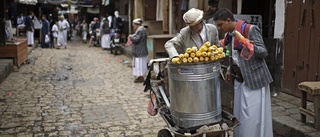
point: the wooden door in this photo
(301, 51)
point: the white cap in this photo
(193, 16)
(137, 21)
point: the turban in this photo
(193, 16)
(137, 21)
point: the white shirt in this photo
(55, 30)
(110, 20)
(235, 53)
(63, 24)
(20, 20)
(202, 37)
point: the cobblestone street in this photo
(78, 91)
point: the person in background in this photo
(109, 18)
(208, 15)
(94, 28)
(55, 32)
(117, 23)
(45, 31)
(139, 50)
(30, 29)
(84, 27)
(21, 23)
(251, 78)
(63, 27)
(105, 29)
(195, 34)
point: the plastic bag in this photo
(47, 39)
(247, 51)
(152, 106)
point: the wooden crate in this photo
(17, 50)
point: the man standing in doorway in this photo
(63, 26)
(251, 77)
(30, 29)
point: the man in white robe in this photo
(251, 76)
(139, 50)
(63, 26)
(30, 29)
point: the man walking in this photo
(30, 29)
(45, 31)
(63, 26)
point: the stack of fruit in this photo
(204, 54)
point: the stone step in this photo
(6, 66)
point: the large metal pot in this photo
(195, 97)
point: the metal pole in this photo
(170, 17)
(129, 14)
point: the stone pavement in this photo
(78, 91)
(87, 92)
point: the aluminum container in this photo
(195, 97)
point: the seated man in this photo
(20, 23)
(94, 28)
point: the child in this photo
(55, 32)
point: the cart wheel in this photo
(164, 133)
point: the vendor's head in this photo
(213, 5)
(31, 13)
(61, 17)
(136, 23)
(116, 14)
(193, 18)
(95, 19)
(43, 17)
(224, 20)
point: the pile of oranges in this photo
(204, 54)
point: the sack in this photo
(47, 39)
(152, 106)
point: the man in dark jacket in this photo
(30, 28)
(139, 50)
(45, 31)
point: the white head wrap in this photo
(137, 21)
(62, 16)
(116, 13)
(193, 16)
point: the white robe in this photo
(139, 66)
(62, 35)
(251, 107)
(30, 37)
(105, 41)
(84, 32)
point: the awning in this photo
(30, 2)
(93, 10)
(81, 3)
(96, 2)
